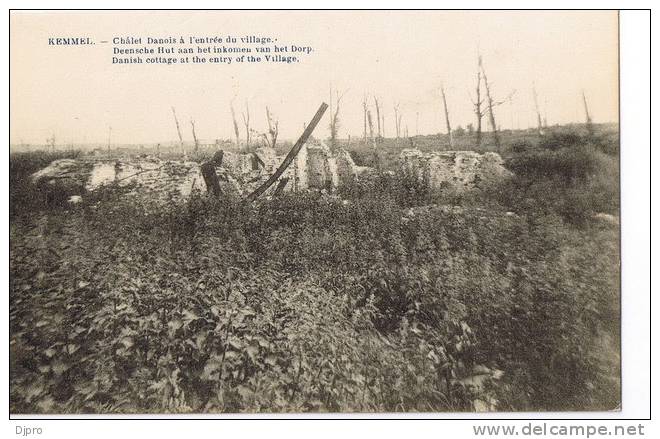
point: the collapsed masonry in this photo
(315, 167)
(458, 170)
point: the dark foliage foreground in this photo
(305, 304)
(311, 303)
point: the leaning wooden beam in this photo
(280, 186)
(291, 155)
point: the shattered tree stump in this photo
(211, 178)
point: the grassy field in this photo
(391, 297)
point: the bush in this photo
(574, 183)
(561, 139)
(521, 146)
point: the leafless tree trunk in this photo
(371, 126)
(478, 110)
(378, 118)
(273, 128)
(237, 132)
(194, 134)
(178, 130)
(538, 112)
(397, 120)
(382, 116)
(246, 123)
(491, 107)
(444, 102)
(109, 138)
(334, 120)
(364, 111)
(373, 140)
(590, 126)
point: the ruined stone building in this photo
(315, 167)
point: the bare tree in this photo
(380, 134)
(334, 119)
(237, 132)
(538, 111)
(477, 102)
(371, 126)
(492, 103)
(373, 140)
(444, 102)
(273, 129)
(590, 126)
(109, 137)
(246, 123)
(194, 134)
(397, 120)
(382, 122)
(178, 130)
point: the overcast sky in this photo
(76, 93)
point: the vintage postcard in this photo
(314, 212)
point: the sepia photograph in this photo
(294, 212)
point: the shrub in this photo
(574, 183)
(520, 146)
(561, 139)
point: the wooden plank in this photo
(291, 155)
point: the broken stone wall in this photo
(315, 167)
(460, 170)
(144, 177)
(319, 168)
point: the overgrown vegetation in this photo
(23, 195)
(390, 297)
